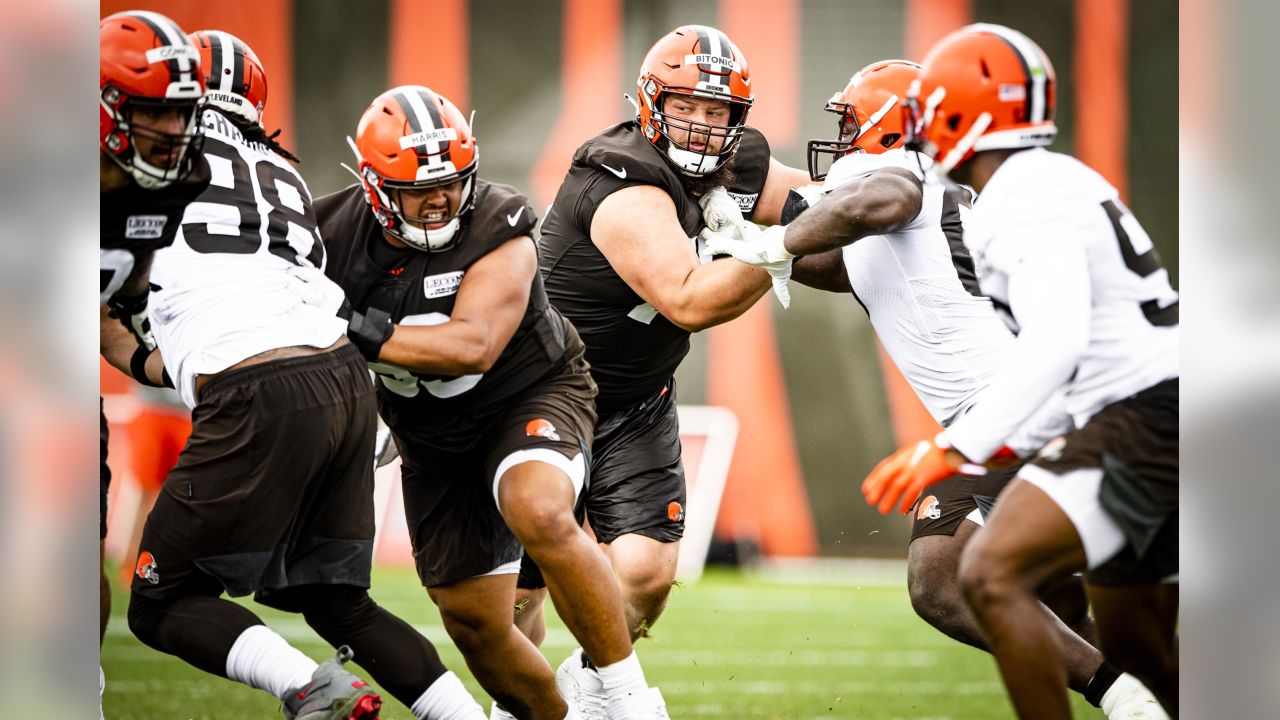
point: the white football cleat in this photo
(1129, 699)
(646, 704)
(582, 688)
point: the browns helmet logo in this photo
(929, 509)
(675, 511)
(146, 568)
(541, 428)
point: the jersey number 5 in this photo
(1142, 259)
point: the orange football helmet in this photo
(411, 138)
(236, 81)
(702, 62)
(870, 117)
(983, 87)
(148, 66)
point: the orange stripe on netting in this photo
(264, 25)
(1101, 56)
(590, 96)
(442, 63)
(764, 496)
(928, 21)
(768, 34)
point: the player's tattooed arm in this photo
(120, 348)
(824, 271)
(882, 202)
(491, 303)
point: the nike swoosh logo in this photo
(512, 218)
(622, 174)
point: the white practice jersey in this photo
(1082, 284)
(920, 291)
(225, 292)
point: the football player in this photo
(1096, 318)
(620, 258)
(148, 170)
(486, 393)
(272, 495)
(892, 235)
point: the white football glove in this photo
(720, 212)
(316, 289)
(384, 448)
(758, 246)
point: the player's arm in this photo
(1050, 296)
(824, 271)
(121, 349)
(773, 197)
(138, 282)
(882, 202)
(491, 302)
(637, 231)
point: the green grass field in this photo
(839, 644)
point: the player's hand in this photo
(759, 246)
(720, 212)
(316, 289)
(132, 313)
(900, 478)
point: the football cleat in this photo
(582, 688)
(333, 694)
(1129, 699)
(646, 704)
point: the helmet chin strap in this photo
(692, 162)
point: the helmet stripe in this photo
(419, 108)
(1034, 67)
(714, 42)
(238, 85)
(224, 60)
(179, 67)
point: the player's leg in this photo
(646, 570)
(530, 612)
(933, 564)
(104, 482)
(338, 505)
(1138, 628)
(1028, 540)
(536, 500)
(395, 655)
(477, 615)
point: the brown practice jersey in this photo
(135, 222)
(633, 351)
(419, 288)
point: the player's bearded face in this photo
(160, 132)
(698, 113)
(431, 208)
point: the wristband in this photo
(369, 330)
(138, 368)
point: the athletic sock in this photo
(262, 659)
(447, 699)
(1101, 682)
(624, 676)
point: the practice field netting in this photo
(838, 641)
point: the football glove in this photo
(720, 212)
(316, 289)
(903, 476)
(758, 246)
(132, 313)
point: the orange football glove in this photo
(902, 476)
